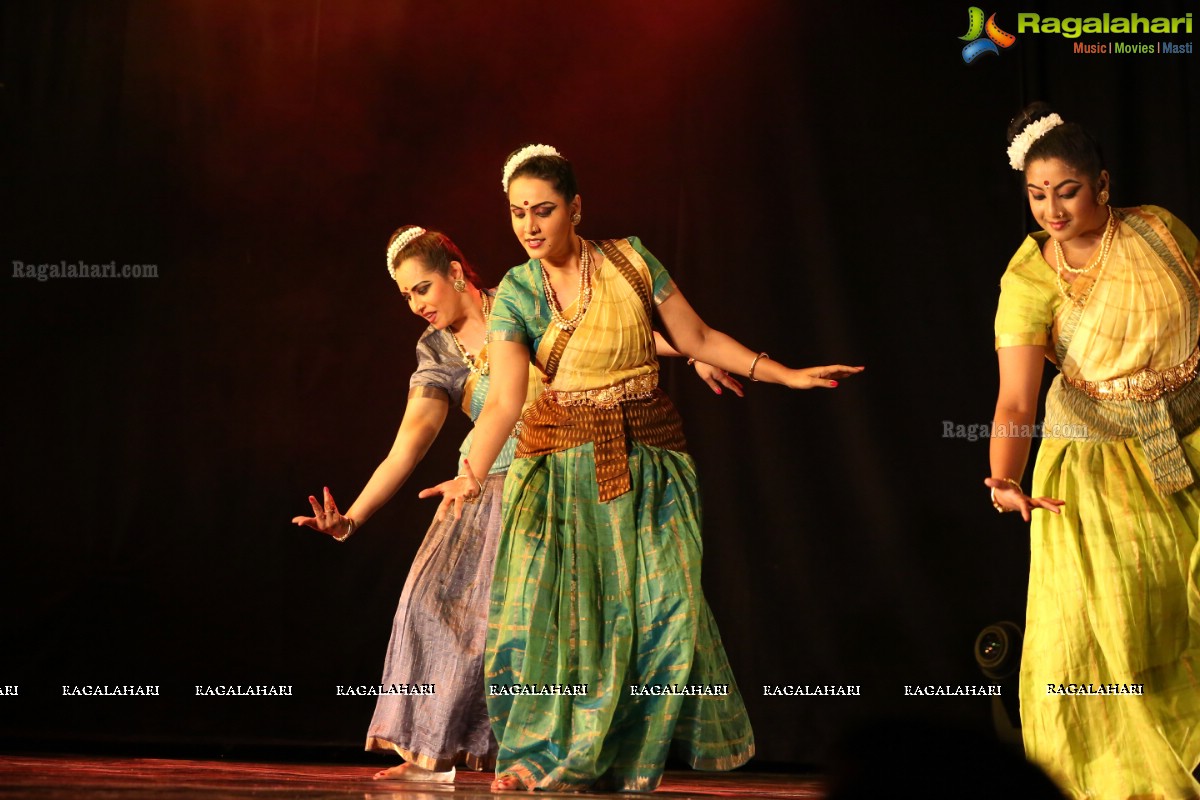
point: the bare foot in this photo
(507, 783)
(411, 772)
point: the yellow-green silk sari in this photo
(1113, 601)
(597, 585)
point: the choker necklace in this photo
(1110, 231)
(585, 291)
(467, 358)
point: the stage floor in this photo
(64, 777)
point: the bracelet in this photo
(477, 483)
(350, 526)
(999, 508)
(754, 364)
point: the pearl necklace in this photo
(1110, 230)
(585, 291)
(1062, 261)
(467, 358)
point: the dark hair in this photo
(1068, 142)
(555, 170)
(435, 250)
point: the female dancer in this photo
(1110, 296)
(440, 625)
(602, 653)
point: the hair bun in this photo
(1029, 115)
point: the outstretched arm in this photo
(423, 419)
(715, 377)
(692, 336)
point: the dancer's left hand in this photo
(716, 377)
(455, 492)
(820, 377)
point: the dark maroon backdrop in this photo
(825, 183)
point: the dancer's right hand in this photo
(1013, 498)
(820, 377)
(326, 518)
(455, 492)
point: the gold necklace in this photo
(1062, 261)
(1110, 231)
(585, 291)
(467, 358)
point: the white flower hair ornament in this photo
(1032, 132)
(523, 155)
(399, 243)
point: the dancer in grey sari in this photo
(440, 627)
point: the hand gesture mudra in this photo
(716, 377)
(455, 492)
(820, 377)
(327, 519)
(1007, 495)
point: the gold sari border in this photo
(722, 763)
(430, 392)
(1156, 234)
(469, 760)
(1041, 339)
(618, 251)
(558, 346)
(469, 387)
(662, 294)
(503, 335)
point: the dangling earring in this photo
(460, 286)
(1102, 198)
(576, 218)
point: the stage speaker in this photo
(998, 654)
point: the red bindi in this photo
(1047, 183)
(527, 202)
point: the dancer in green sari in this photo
(440, 627)
(603, 657)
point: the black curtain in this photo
(825, 182)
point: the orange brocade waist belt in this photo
(644, 415)
(1145, 385)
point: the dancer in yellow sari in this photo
(1110, 693)
(603, 656)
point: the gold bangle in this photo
(754, 364)
(350, 525)
(999, 508)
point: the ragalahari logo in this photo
(976, 27)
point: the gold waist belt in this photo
(639, 387)
(1159, 422)
(1145, 385)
